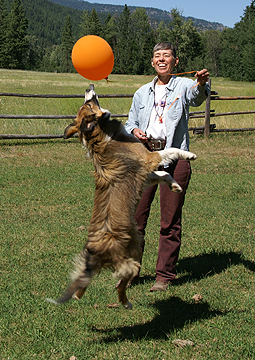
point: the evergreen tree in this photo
(16, 36)
(162, 32)
(175, 27)
(33, 55)
(230, 58)
(126, 44)
(144, 41)
(212, 49)
(3, 30)
(190, 47)
(150, 42)
(237, 57)
(67, 45)
(45, 63)
(90, 23)
(186, 39)
(249, 13)
(249, 54)
(110, 31)
(56, 59)
(85, 24)
(95, 25)
(248, 43)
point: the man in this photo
(159, 118)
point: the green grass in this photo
(29, 82)
(46, 201)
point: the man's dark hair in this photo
(164, 46)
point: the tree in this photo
(95, 25)
(190, 48)
(162, 32)
(248, 44)
(67, 45)
(55, 59)
(85, 24)
(249, 13)
(126, 44)
(249, 51)
(144, 41)
(238, 49)
(16, 36)
(147, 54)
(33, 54)
(186, 40)
(230, 58)
(3, 30)
(110, 31)
(212, 50)
(175, 27)
(90, 23)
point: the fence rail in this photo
(71, 96)
(205, 129)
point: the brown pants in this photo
(171, 213)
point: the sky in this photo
(226, 12)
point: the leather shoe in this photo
(159, 286)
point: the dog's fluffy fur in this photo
(123, 167)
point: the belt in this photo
(156, 144)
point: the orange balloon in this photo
(92, 57)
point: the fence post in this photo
(207, 113)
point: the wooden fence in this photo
(208, 114)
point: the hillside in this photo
(153, 13)
(46, 18)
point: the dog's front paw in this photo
(187, 155)
(175, 187)
(191, 156)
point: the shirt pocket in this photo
(174, 110)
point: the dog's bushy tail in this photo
(81, 277)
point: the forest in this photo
(39, 35)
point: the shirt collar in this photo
(170, 86)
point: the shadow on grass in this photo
(174, 314)
(202, 266)
(205, 265)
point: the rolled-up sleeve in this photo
(197, 94)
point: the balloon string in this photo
(183, 73)
(160, 119)
(108, 80)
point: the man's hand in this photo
(202, 76)
(139, 134)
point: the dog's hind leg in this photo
(121, 288)
(128, 269)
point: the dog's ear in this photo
(70, 130)
(74, 127)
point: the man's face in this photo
(163, 61)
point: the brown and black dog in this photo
(123, 167)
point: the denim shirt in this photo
(181, 93)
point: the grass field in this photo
(46, 199)
(48, 83)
